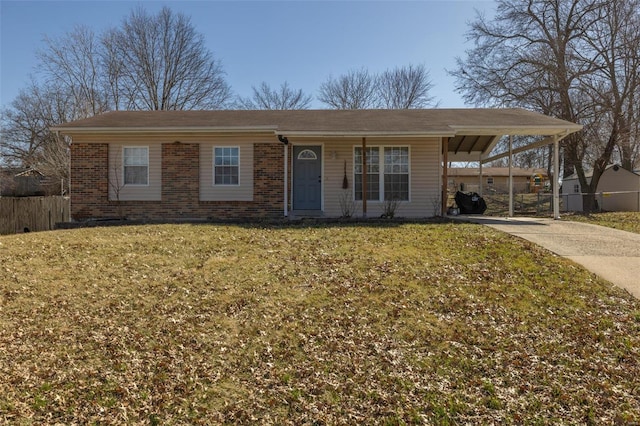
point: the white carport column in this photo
(510, 176)
(556, 177)
(480, 177)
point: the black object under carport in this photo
(471, 203)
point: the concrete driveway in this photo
(609, 253)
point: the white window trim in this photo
(381, 171)
(124, 184)
(213, 170)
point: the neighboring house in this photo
(22, 182)
(496, 179)
(252, 164)
(618, 190)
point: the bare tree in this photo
(615, 37)
(285, 98)
(354, 90)
(405, 87)
(112, 69)
(161, 63)
(72, 63)
(570, 59)
(26, 139)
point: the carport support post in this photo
(480, 178)
(556, 176)
(510, 176)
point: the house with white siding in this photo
(618, 190)
(209, 165)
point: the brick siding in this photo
(180, 186)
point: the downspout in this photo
(285, 144)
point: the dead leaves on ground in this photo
(418, 324)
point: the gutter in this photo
(542, 130)
(369, 134)
(285, 143)
(201, 129)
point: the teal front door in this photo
(307, 177)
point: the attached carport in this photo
(477, 133)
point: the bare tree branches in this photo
(72, 63)
(400, 88)
(285, 98)
(405, 87)
(26, 139)
(574, 59)
(354, 90)
(161, 63)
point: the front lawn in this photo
(626, 221)
(354, 324)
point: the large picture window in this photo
(136, 165)
(226, 165)
(387, 174)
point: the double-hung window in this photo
(373, 173)
(136, 165)
(396, 173)
(226, 165)
(387, 174)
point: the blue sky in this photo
(301, 42)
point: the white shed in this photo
(618, 190)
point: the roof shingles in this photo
(445, 122)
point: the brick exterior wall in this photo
(90, 181)
(180, 179)
(180, 186)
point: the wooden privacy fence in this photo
(20, 214)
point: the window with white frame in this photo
(373, 173)
(387, 174)
(226, 165)
(396, 173)
(136, 165)
(490, 180)
(576, 188)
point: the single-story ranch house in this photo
(227, 164)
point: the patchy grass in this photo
(400, 324)
(626, 221)
(523, 204)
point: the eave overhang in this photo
(365, 134)
(190, 129)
